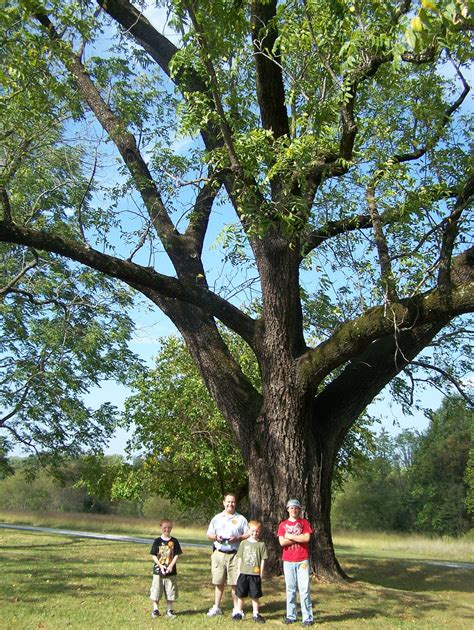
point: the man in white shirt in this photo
(226, 530)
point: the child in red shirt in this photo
(294, 534)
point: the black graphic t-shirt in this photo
(165, 551)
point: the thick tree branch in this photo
(451, 229)
(7, 210)
(346, 397)
(132, 274)
(399, 11)
(162, 51)
(330, 166)
(352, 81)
(429, 308)
(349, 127)
(185, 259)
(123, 140)
(335, 228)
(223, 376)
(239, 180)
(270, 88)
(134, 22)
(216, 95)
(199, 218)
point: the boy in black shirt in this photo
(164, 551)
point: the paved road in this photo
(148, 541)
(97, 535)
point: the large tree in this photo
(330, 134)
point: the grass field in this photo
(49, 582)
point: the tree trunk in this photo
(287, 459)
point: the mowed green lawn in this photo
(51, 582)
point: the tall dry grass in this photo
(400, 545)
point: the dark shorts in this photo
(249, 585)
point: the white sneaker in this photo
(171, 614)
(214, 611)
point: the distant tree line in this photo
(60, 489)
(416, 481)
(83, 485)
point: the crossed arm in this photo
(290, 539)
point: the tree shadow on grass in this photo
(391, 602)
(400, 586)
(411, 576)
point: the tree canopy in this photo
(328, 144)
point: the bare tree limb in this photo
(386, 274)
(447, 376)
(10, 286)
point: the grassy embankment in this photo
(52, 582)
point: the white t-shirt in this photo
(227, 526)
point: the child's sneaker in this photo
(170, 613)
(155, 614)
(237, 615)
(212, 612)
(258, 618)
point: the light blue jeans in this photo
(297, 576)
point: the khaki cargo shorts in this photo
(167, 585)
(224, 568)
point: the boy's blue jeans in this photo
(297, 577)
